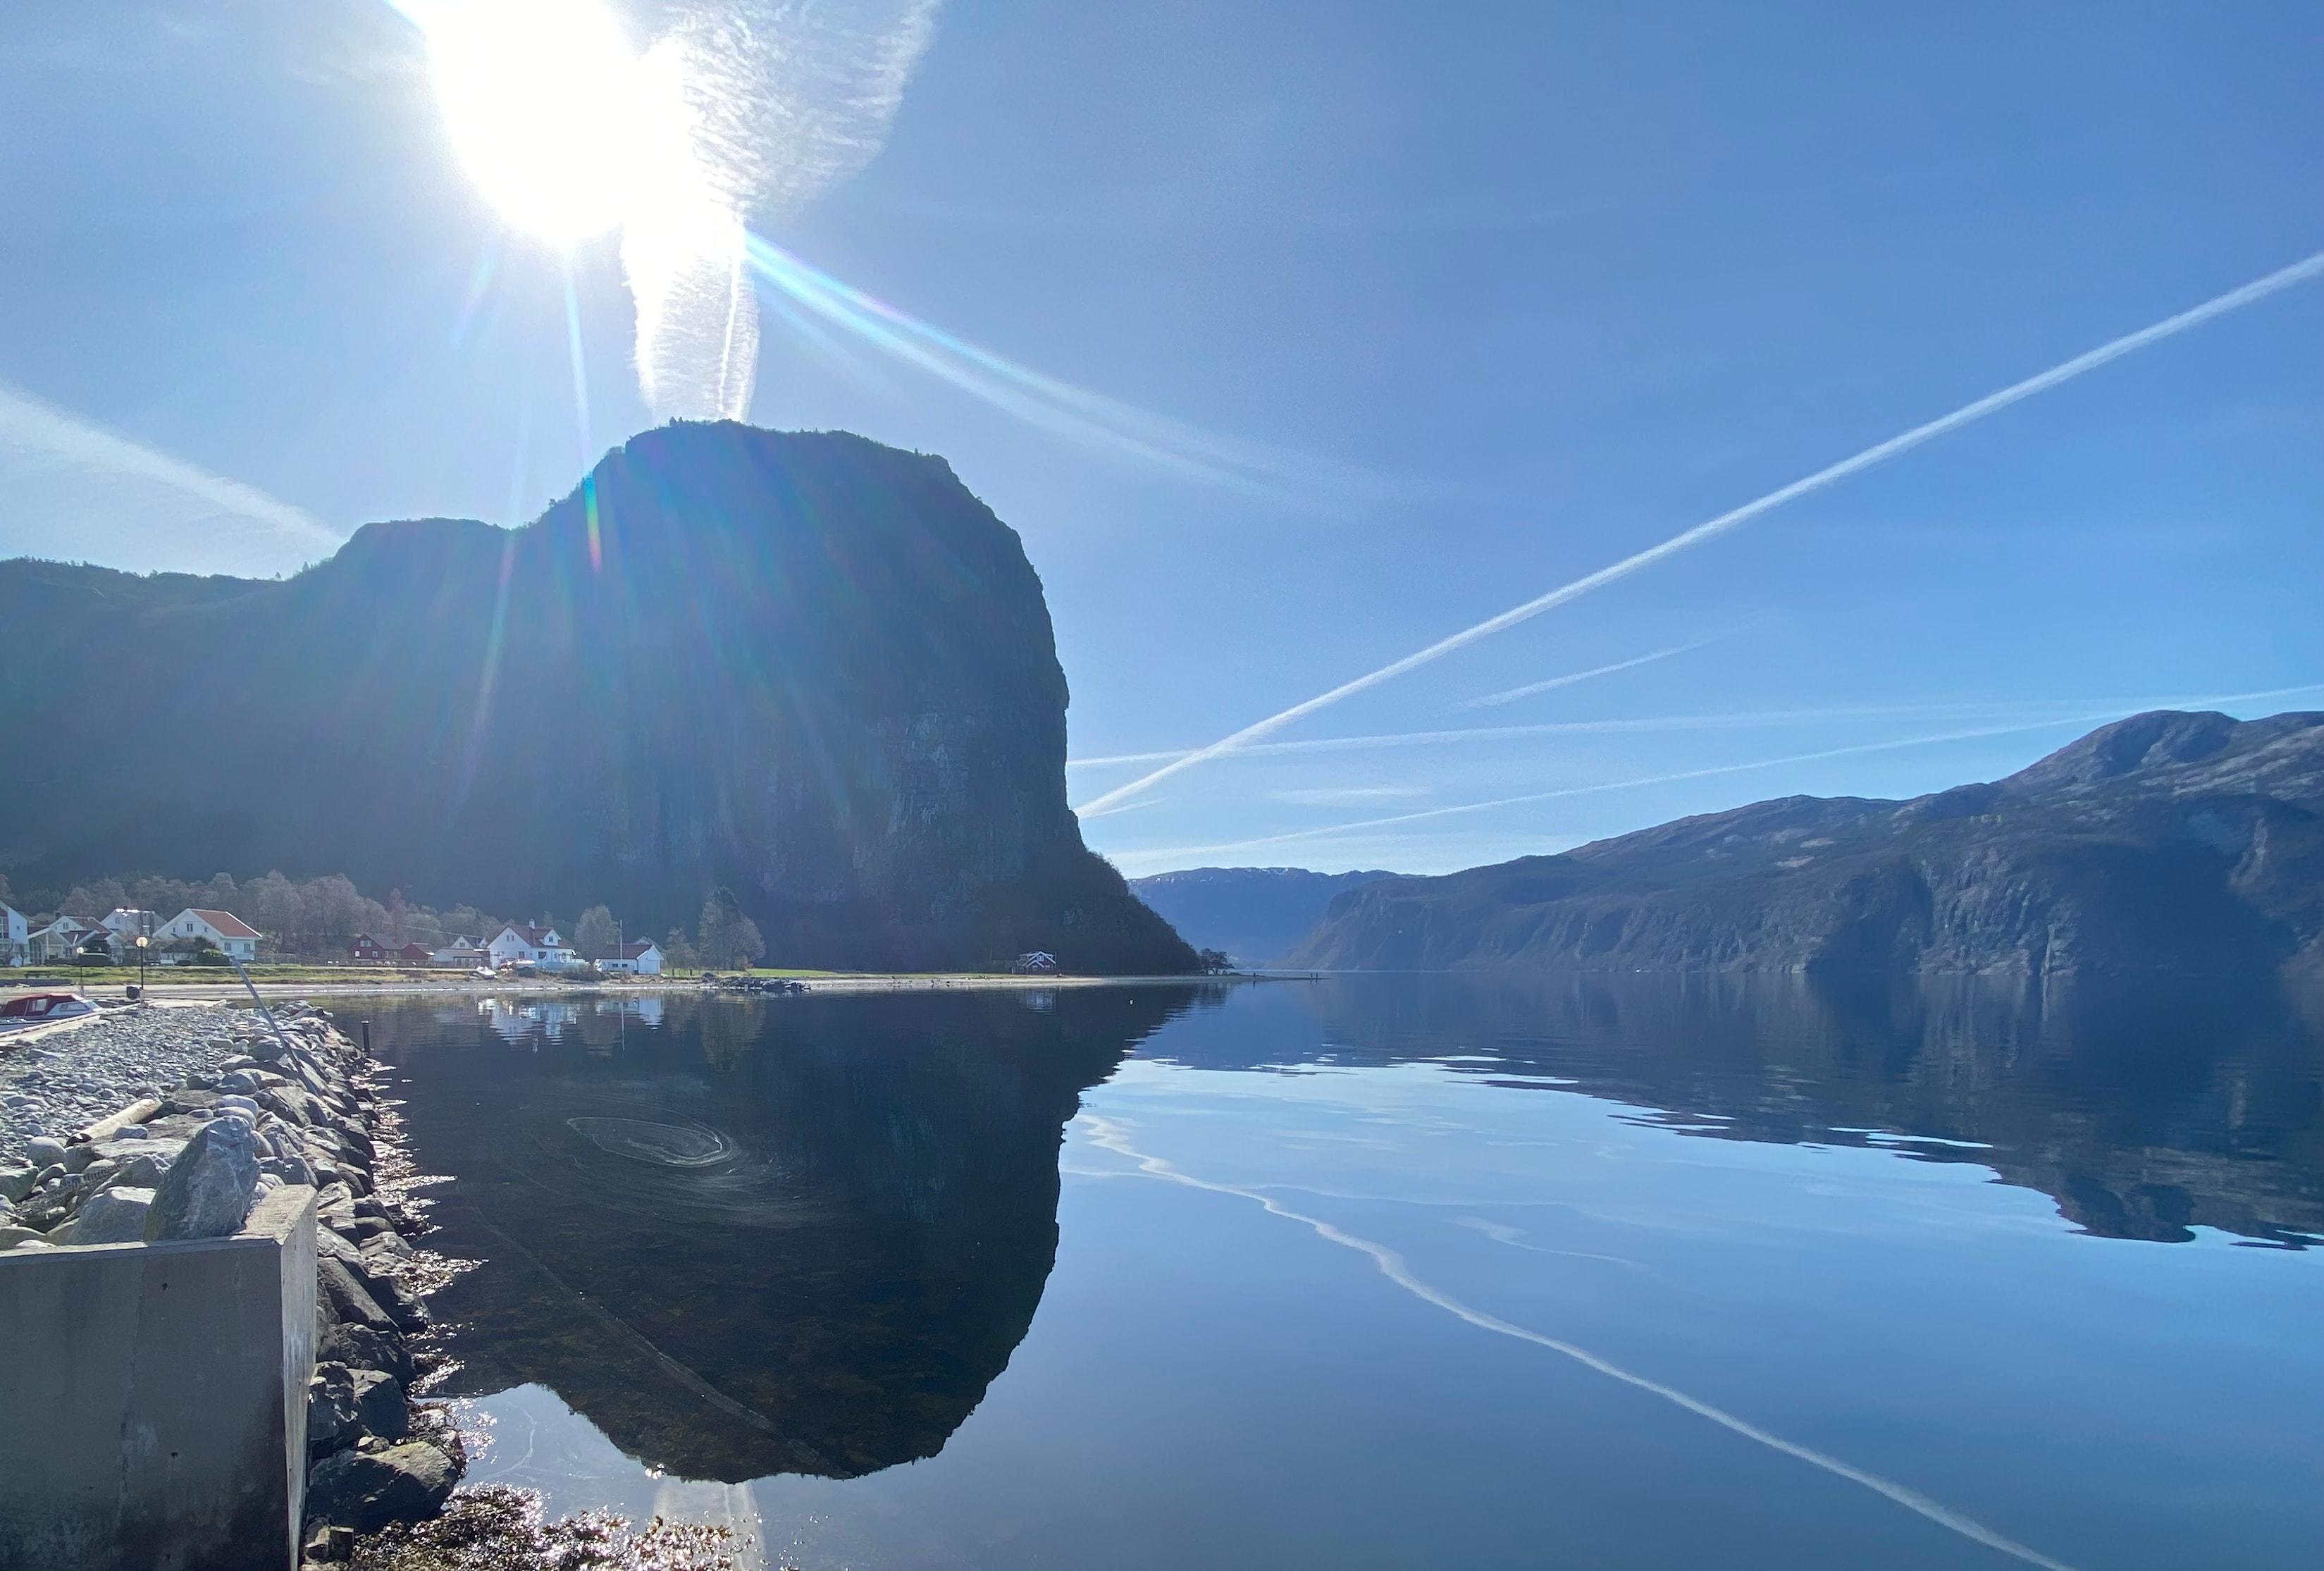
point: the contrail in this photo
(1511, 695)
(1326, 830)
(40, 430)
(1739, 721)
(1108, 1136)
(1967, 414)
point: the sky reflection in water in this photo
(1399, 1272)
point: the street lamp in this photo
(142, 942)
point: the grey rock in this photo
(43, 1152)
(345, 1405)
(390, 1245)
(15, 1183)
(115, 1216)
(369, 1490)
(78, 1157)
(141, 1171)
(12, 1237)
(403, 1308)
(349, 1297)
(290, 1170)
(361, 1347)
(209, 1189)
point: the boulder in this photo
(291, 1171)
(351, 1303)
(142, 1172)
(344, 1405)
(11, 1237)
(361, 1347)
(43, 1152)
(115, 1216)
(79, 1157)
(369, 1490)
(17, 1182)
(402, 1307)
(153, 1149)
(208, 1190)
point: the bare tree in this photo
(596, 934)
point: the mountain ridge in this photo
(1255, 915)
(2170, 840)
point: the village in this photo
(127, 936)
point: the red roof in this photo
(227, 924)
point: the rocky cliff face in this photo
(2174, 842)
(803, 665)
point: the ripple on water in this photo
(661, 1145)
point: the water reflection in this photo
(795, 1235)
(2145, 1111)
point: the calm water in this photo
(1399, 1272)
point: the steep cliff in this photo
(804, 665)
(2175, 842)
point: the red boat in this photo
(35, 1007)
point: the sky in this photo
(1293, 339)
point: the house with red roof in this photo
(228, 932)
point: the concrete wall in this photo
(153, 1400)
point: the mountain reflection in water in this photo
(803, 1237)
(2144, 1108)
(795, 1235)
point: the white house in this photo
(125, 925)
(230, 933)
(464, 951)
(57, 941)
(16, 937)
(641, 959)
(516, 945)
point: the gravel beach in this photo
(57, 1083)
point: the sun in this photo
(543, 99)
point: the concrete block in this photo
(153, 1399)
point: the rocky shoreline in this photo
(221, 1110)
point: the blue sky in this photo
(1461, 303)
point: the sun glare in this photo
(544, 100)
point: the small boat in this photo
(33, 1008)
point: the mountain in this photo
(1257, 915)
(2190, 843)
(804, 665)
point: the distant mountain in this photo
(1256, 914)
(2169, 842)
(803, 665)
